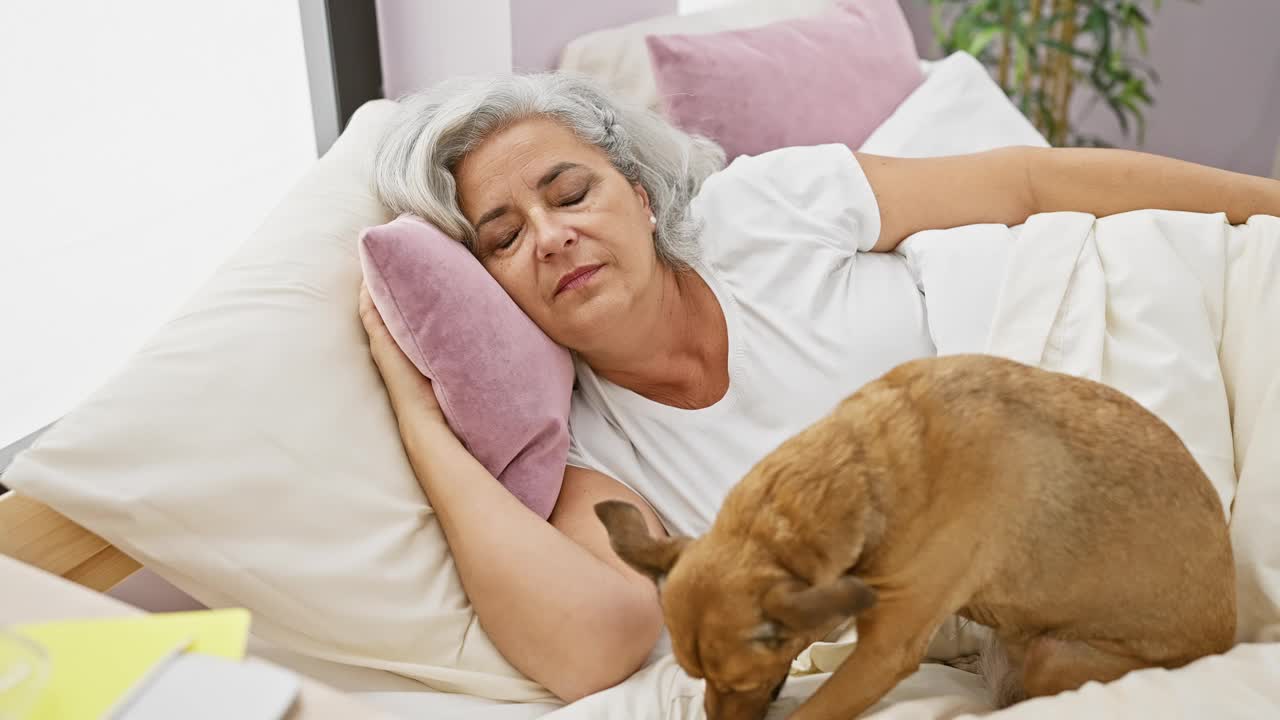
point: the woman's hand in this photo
(412, 396)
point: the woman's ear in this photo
(643, 195)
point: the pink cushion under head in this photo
(827, 78)
(503, 384)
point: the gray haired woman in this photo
(712, 311)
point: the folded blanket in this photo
(1179, 310)
(1182, 312)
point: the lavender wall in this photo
(1218, 101)
(425, 41)
(422, 42)
(541, 28)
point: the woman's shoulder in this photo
(787, 169)
(785, 200)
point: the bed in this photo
(956, 109)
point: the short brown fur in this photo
(1053, 509)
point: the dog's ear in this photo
(632, 542)
(805, 607)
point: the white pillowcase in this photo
(958, 109)
(618, 58)
(248, 454)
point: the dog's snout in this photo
(739, 706)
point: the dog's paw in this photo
(968, 663)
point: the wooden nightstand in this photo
(33, 595)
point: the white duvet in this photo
(1179, 310)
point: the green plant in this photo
(1042, 51)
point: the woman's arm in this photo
(553, 597)
(1008, 185)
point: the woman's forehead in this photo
(522, 154)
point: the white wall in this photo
(141, 142)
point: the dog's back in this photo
(1099, 522)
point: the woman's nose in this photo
(552, 236)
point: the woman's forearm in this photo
(1008, 185)
(557, 612)
(1105, 182)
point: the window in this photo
(142, 141)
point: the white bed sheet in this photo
(397, 695)
(431, 705)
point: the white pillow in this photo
(958, 109)
(248, 454)
(618, 58)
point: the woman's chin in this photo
(586, 324)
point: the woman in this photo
(712, 313)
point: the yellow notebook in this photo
(95, 662)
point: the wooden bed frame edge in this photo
(34, 533)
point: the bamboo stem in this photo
(1034, 50)
(1006, 47)
(1051, 76)
(1067, 65)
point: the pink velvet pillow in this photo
(827, 78)
(503, 385)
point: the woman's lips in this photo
(576, 278)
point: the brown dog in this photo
(1053, 509)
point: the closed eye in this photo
(508, 240)
(574, 200)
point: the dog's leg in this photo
(892, 639)
(1001, 661)
(968, 663)
(1052, 666)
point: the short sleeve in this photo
(579, 456)
(593, 441)
(596, 444)
(819, 191)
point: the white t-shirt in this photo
(811, 317)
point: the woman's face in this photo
(562, 231)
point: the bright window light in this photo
(140, 143)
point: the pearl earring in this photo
(653, 220)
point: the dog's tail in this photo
(1003, 680)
